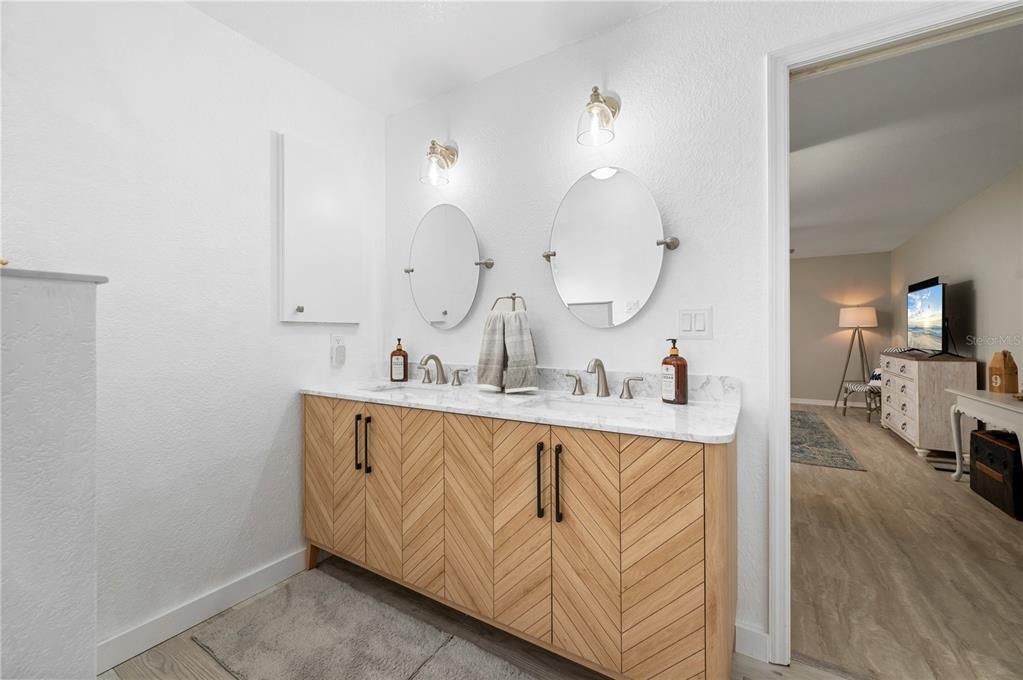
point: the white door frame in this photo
(779, 64)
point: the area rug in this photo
(813, 443)
(314, 626)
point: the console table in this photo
(1001, 411)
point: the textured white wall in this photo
(49, 449)
(976, 250)
(137, 144)
(691, 78)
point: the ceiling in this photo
(392, 55)
(881, 150)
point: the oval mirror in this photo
(604, 250)
(442, 266)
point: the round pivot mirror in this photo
(442, 266)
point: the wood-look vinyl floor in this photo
(899, 572)
(182, 659)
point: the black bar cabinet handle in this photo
(358, 419)
(557, 483)
(365, 436)
(539, 479)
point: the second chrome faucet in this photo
(442, 378)
(597, 366)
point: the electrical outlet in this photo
(337, 351)
(696, 324)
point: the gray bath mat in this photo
(314, 627)
(813, 443)
(461, 660)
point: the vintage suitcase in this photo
(996, 472)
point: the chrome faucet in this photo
(442, 379)
(578, 389)
(597, 366)
(456, 381)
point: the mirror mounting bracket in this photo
(408, 270)
(671, 243)
(488, 263)
(548, 254)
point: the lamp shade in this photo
(862, 317)
(434, 170)
(596, 125)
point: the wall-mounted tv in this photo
(925, 316)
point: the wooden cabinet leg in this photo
(312, 556)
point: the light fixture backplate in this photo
(613, 103)
(448, 153)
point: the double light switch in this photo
(695, 323)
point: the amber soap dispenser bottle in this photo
(674, 377)
(399, 364)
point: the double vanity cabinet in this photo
(615, 550)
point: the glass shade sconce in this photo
(597, 122)
(439, 160)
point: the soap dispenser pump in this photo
(674, 377)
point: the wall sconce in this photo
(439, 159)
(597, 122)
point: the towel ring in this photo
(513, 297)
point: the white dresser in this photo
(914, 403)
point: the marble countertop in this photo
(707, 422)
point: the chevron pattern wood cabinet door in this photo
(422, 482)
(586, 581)
(318, 470)
(522, 539)
(349, 481)
(663, 596)
(469, 512)
(383, 489)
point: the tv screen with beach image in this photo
(924, 326)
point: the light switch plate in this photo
(338, 354)
(696, 324)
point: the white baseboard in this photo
(752, 641)
(134, 641)
(824, 402)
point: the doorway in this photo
(916, 31)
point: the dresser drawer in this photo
(898, 386)
(907, 408)
(900, 424)
(900, 367)
(900, 396)
(904, 407)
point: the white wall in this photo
(137, 144)
(691, 78)
(48, 609)
(976, 250)
(820, 287)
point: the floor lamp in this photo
(856, 318)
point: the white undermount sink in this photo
(582, 404)
(410, 387)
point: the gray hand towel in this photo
(490, 369)
(521, 374)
